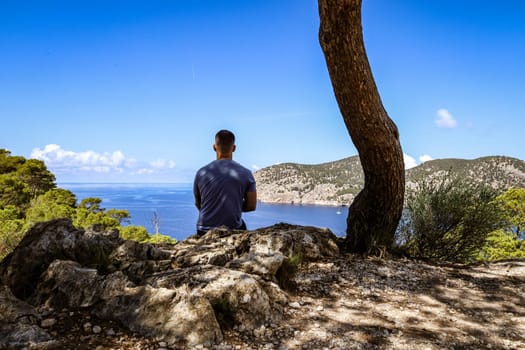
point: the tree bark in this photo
(374, 214)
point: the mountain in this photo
(337, 183)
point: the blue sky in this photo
(134, 91)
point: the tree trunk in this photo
(375, 212)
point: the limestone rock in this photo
(46, 242)
(183, 294)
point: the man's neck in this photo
(224, 157)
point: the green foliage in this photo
(513, 201)
(449, 219)
(508, 242)
(134, 233)
(118, 214)
(91, 204)
(13, 191)
(90, 212)
(35, 174)
(9, 163)
(159, 239)
(140, 234)
(11, 232)
(10, 229)
(85, 218)
(54, 204)
(502, 244)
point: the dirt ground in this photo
(358, 303)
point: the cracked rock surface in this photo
(280, 287)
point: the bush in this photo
(508, 242)
(134, 233)
(140, 234)
(502, 244)
(449, 219)
(11, 229)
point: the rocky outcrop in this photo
(184, 294)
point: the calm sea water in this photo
(174, 206)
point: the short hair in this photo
(225, 139)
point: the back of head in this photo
(225, 140)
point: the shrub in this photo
(502, 244)
(140, 234)
(448, 219)
(134, 233)
(508, 242)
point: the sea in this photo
(174, 207)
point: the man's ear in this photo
(215, 147)
(234, 148)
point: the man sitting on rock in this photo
(223, 189)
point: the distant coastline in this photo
(337, 183)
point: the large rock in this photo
(48, 241)
(19, 322)
(183, 293)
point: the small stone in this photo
(295, 305)
(87, 326)
(163, 344)
(259, 332)
(319, 308)
(246, 298)
(49, 322)
(110, 332)
(97, 329)
(223, 347)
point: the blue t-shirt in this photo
(221, 186)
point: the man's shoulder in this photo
(218, 166)
(208, 166)
(240, 166)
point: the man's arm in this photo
(197, 195)
(250, 201)
(198, 201)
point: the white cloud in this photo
(425, 158)
(445, 119)
(61, 161)
(410, 162)
(143, 171)
(255, 167)
(162, 164)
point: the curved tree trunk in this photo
(375, 212)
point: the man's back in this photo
(221, 187)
